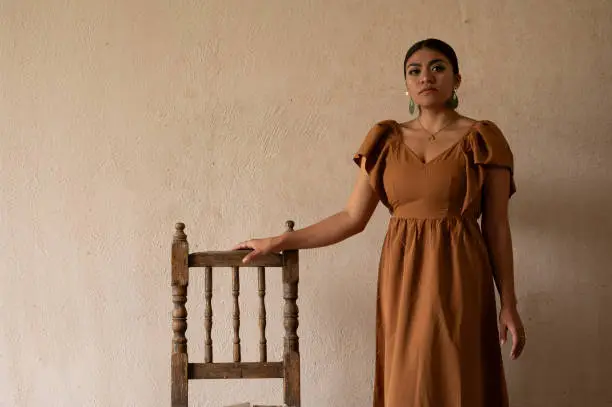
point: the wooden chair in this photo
(182, 370)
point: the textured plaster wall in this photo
(119, 118)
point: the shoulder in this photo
(375, 142)
(488, 127)
(377, 138)
(382, 131)
(489, 144)
(486, 131)
(385, 126)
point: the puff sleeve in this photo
(490, 149)
(374, 148)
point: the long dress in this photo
(437, 341)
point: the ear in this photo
(457, 81)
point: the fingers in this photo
(521, 347)
(250, 256)
(241, 245)
(503, 333)
(518, 343)
(249, 244)
(514, 342)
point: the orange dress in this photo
(436, 326)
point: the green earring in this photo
(411, 106)
(454, 100)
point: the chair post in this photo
(291, 353)
(261, 292)
(236, 314)
(208, 313)
(180, 281)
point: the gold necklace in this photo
(432, 136)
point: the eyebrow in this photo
(433, 61)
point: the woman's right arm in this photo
(333, 229)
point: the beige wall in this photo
(119, 118)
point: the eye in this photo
(413, 72)
(438, 68)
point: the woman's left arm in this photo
(496, 232)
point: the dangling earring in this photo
(411, 105)
(454, 101)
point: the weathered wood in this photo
(179, 283)
(182, 370)
(179, 377)
(263, 343)
(291, 384)
(179, 319)
(235, 294)
(208, 313)
(233, 259)
(180, 255)
(290, 295)
(244, 370)
(291, 354)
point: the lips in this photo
(428, 90)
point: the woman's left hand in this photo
(510, 320)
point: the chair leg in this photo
(179, 282)
(179, 361)
(291, 354)
(179, 380)
(292, 397)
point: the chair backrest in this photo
(182, 370)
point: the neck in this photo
(434, 119)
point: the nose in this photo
(427, 76)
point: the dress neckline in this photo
(421, 160)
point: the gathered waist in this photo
(455, 224)
(435, 218)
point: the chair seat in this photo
(256, 405)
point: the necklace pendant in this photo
(432, 138)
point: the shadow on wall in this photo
(568, 227)
(351, 339)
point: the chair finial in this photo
(290, 224)
(179, 233)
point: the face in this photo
(429, 78)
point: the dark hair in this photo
(435, 45)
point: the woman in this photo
(437, 331)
